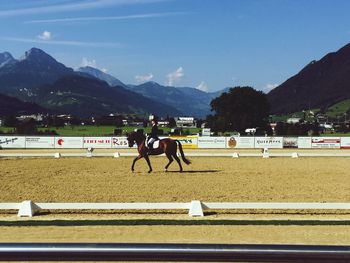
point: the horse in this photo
(167, 146)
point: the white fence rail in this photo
(265, 154)
(195, 207)
(234, 142)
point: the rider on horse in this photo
(154, 134)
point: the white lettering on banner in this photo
(40, 142)
(268, 142)
(325, 142)
(290, 142)
(97, 142)
(12, 142)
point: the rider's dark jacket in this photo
(154, 132)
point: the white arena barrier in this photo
(195, 207)
(264, 154)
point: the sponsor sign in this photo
(345, 142)
(189, 142)
(268, 142)
(68, 142)
(240, 142)
(12, 142)
(40, 142)
(212, 142)
(304, 142)
(325, 142)
(290, 142)
(97, 142)
(120, 142)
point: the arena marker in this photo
(266, 153)
(116, 155)
(28, 208)
(235, 155)
(196, 208)
(57, 155)
(295, 155)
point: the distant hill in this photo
(6, 58)
(13, 106)
(86, 97)
(191, 101)
(37, 77)
(318, 85)
(112, 81)
(33, 69)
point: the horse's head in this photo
(131, 139)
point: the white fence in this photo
(189, 142)
(264, 154)
(195, 208)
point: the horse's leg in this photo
(149, 163)
(133, 163)
(170, 161)
(178, 161)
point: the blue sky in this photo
(209, 44)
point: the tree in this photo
(239, 109)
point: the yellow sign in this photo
(187, 142)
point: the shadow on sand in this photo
(196, 171)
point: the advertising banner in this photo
(68, 142)
(188, 142)
(304, 142)
(120, 142)
(98, 142)
(212, 142)
(240, 142)
(345, 142)
(268, 142)
(290, 142)
(12, 142)
(40, 142)
(325, 142)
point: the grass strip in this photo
(156, 222)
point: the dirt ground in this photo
(212, 179)
(207, 179)
(321, 235)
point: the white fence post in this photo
(28, 208)
(196, 208)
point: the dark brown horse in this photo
(167, 146)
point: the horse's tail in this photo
(186, 161)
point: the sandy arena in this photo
(213, 179)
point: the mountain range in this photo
(40, 79)
(39, 82)
(319, 85)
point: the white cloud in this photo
(203, 87)
(64, 42)
(175, 76)
(143, 78)
(74, 6)
(106, 18)
(85, 62)
(269, 87)
(46, 35)
(104, 70)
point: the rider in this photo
(154, 134)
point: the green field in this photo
(338, 110)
